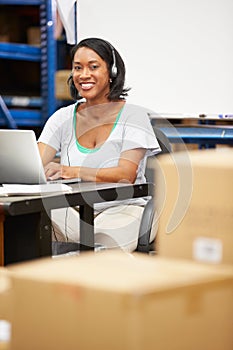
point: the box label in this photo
(207, 250)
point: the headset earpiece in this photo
(114, 67)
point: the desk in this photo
(25, 224)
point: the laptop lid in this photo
(20, 161)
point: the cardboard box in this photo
(194, 196)
(4, 38)
(5, 309)
(62, 91)
(34, 36)
(5, 295)
(10, 26)
(119, 301)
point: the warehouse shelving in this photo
(27, 110)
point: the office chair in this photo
(145, 244)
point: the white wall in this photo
(178, 53)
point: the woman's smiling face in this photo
(91, 76)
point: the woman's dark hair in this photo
(106, 51)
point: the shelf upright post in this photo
(48, 59)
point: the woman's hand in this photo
(54, 171)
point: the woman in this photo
(100, 138)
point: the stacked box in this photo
(34, 36)
(61, 87)
(120, 301)
(194, 198)
(5, 309)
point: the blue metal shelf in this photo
(45, 55)
(23, 101)
(23, 117)
(23, 2)
(20, 52)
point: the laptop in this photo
(20, 161)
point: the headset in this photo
(114, 66)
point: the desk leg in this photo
(86, 227)
(27, 237)
(1, 240)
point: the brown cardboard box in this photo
(34, 36)
(5, 309)
(194, 196)
(119, 301)
(10, 27)
(62, 89)
(5, 295)
(4, 38)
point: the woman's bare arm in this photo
(47, 153)
(126, 171)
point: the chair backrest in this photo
(163, 141)
(144, 239)
(165, 148)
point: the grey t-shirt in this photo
(131, 130)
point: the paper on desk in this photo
(21, 190)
